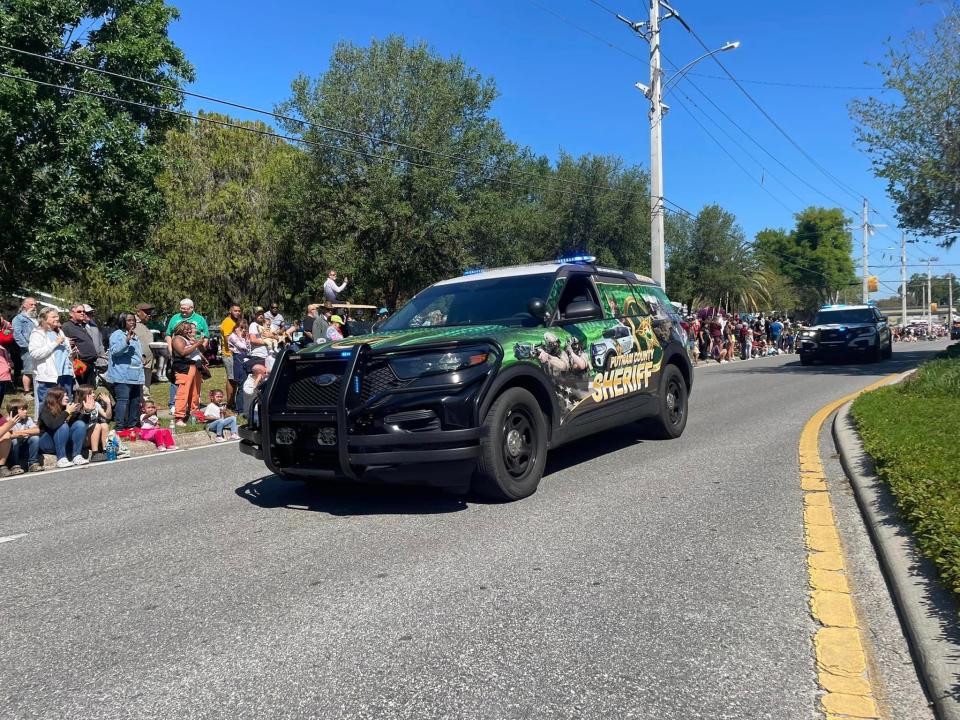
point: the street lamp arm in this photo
(680, 73)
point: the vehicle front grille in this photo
(830, 335)
(379, 378)
(305, 392)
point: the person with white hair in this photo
(189, 314)
(23, 324)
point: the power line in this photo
(268, 133)
(287, 118)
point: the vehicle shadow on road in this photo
(342, 499)
(900, 362)
(594, 446)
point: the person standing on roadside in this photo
(308, 321)
(187, 314)
(321, 323)
(240, 348)
(273, 318)
(227, 327)
(76, 330)
(126, 371)
(331, 290)
(50, 351)
(94, 331)
(776, 330)
(187, 360)
(23, 324)
(145, 336)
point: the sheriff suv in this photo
(858, 331)
(476, 378)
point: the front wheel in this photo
(805, 360)
(513, 447)
(888, 352)
(671, 419)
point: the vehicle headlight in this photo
(412, 366)
(855, 332)
(808, 333)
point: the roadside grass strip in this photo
(841, 660)
(911, 432)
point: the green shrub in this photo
(912, 431)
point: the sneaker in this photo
(64, 463)
(35, 467)
(123, 454)
(16, 470)
(80, 460)
(173, 447)
(98, 457)
(234, 437)
(218, 439)
(180, 423)
(162, 448)
(173, 410)
(4, 471)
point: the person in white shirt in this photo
(258, 373)
(274, 318)
(223, 427)
(330, 288)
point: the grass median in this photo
(912, 432)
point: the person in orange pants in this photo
(187, 358)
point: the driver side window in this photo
(578, 289)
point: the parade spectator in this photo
(6, 371)
(313, 312)
(23, 324)
(97, 336)
(187, 314)
(50, 352)
(96, 412)
(187, 363)
(260, 337)
(151, 431)
(62, 432)
(145, 336)
(776, 331)
(75, 328)
(23, 454)
(240, 348)
(227, 326)
(125, 370)
(331, 291)
(273, 318)
(746, 340)
(335, 331)
(258, 374)
(322, 323)
(223, 426)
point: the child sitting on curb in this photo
(150, 429)
(224, 427)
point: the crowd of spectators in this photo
(714, 335)
(85, 377)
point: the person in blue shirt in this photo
(125, 370)
(776, 330)
(23, 324)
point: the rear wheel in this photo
(671, 419)
(513, 447)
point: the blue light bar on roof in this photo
(832, 307)
(577, 259)
(473, 271)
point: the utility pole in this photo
(866, 250)
(949, 303)
(903, 279)
(657, 266)
(929, 297)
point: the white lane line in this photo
(11, 538)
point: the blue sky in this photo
(562, 87)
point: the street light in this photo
(650, 31)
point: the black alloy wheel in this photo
(519, 451)
(671, 419)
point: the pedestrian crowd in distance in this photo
(91, 386)
(714, 335)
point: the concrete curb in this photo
(929, 614)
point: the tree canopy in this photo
(914, 141)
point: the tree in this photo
(77, 172)
(225, 238)
(815, 256)
(915, 141)
(392, 217)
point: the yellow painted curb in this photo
(841, 660)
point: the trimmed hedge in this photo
(912, 432)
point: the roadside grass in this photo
(912, 432)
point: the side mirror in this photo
(537, 308)
(583, 310)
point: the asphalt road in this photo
(645, 579)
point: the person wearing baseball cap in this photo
(94, 331)
(335, 331)
(145, 335)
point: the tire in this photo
(513, 447)
(888, 353)
(806, 360)
(877, 354)
(671, 418)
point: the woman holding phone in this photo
(125, 370)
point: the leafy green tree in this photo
(229, 196)
(392, 217)
(77, 172)
(815, 256)
(914, 140)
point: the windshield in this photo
(497, 301)
(844, 317)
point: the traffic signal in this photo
(872, 285)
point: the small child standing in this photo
(223, 427)
(150, 429)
